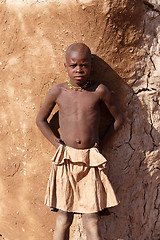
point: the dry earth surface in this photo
(124, 37)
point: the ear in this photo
(92, 57)
(92, 60)
(65, 65)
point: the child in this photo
(77, 183)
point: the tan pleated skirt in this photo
(77, 182)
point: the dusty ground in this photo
(124, 36)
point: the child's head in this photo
(78, 63)
(78, 47)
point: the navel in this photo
(78, 141)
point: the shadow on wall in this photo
(103, 73)
(126, 151)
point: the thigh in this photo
(64, 217)
(90, 218)
(90, 223)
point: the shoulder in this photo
(103, 91)
(56, 90)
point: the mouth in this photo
(79, 77)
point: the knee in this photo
(89, 221)
(64, 219)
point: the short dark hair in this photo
(78, 47)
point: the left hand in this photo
(96, 145)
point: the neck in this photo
(77, 84)
(77, 87)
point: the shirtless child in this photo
(77, 183)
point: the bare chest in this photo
(71, 101)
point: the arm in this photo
(45, 112)
(106, 97)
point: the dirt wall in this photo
(124, 37)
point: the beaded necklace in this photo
(79, 89)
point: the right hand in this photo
(59, 142)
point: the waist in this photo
(79, 143)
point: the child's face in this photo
(78, 66)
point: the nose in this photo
(78, 69)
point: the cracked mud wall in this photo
(124, 35)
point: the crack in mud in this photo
(145, 202)
(130, 227)
(127, 166)
(156, 101)
(144, 90)
(131, 128)
(152, 63)
(151, 6)
(140, 164)
(158, 210)
(150, 133)
(16, 170)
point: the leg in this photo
(90, 223)
(63, 223)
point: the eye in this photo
(85, 65)
(73, 65)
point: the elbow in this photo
(38, 121)
(121, 120)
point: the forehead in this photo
(78, 56)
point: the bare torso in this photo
(79, 116)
